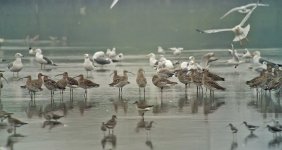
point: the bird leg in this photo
(144, 93)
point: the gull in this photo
(176, 50)
(207, 58)
(165, 63)
(240, 31)
(113, 3)
(243, 9)
(161, 50)
(247, 55)
(119, 57)
(42, 59)
(17, 65)
(31, 51)
(152, 60)
(193, 65)
(235, 59)
(88, 65)
(111, 53)
(99, 58)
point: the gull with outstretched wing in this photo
(240, 31)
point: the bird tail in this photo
(54, 65)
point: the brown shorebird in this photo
(165, 73)
(4, 115)
(71, 83)
(50, 85)
(123, 80)
(142, 106)
(61, 85)
(210, 84)
(52, 115)
(116, 78)
(15, 122)
(161, 82)
(141, 80)
(86, 84)
(196, 77)
(184, 77)
(34, 85)
(257, 81)
(213, 76)
(250, 127)
(1, 83)
(111, 123)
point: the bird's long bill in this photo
(76, 76)
(131, 72)
(58, 75)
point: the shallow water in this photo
(181, 121)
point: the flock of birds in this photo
(187, 72)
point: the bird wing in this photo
(10, 65)
(113, 3)
(247, 16)
(230, 11)
(213, 30)
(47, 60)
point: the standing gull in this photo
(100, 58)
(88, 65)
(161, 50)
(240, 31)
(42, 60)
(17, 65)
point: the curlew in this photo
(50, 85)
(141, 80)
(161, 82)
(210, 83)
(86, 84)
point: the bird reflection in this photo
(12, 139)
(52, 124)
(84, 106)
(149, 144)
(140, 124)
(182, 101)
(250, 137)
(58, 107)
(275, 142)
(33, 110)
(109, 140)
(234, 145)
(120, 103)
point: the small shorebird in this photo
(50, 85)
(1, 83)
(213, 76)
(86, 84)
(51, 115)
(273, 129)
(142, 106)
(15, 122)
(111, 124)
(88, 65)
(251, 128)
(17, 65)
(71, 83)
(61, 85)
(233, 129)
(42, 60)
(141, 80)
(161, 82)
